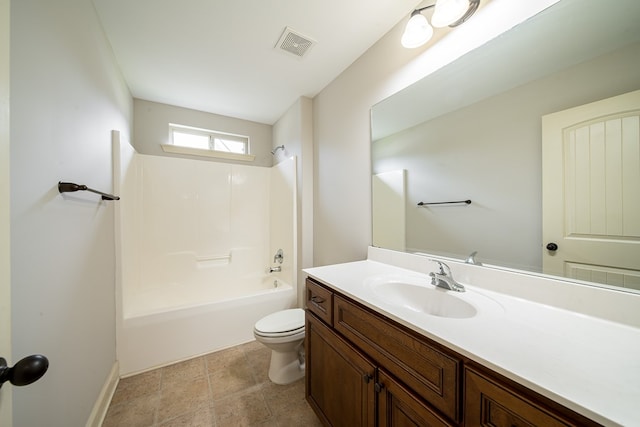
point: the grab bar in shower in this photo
(208, 261)
(213, 258)
(467, 202)
(68, 187)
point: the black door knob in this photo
(26, 371)
(552, 247)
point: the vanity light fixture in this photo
(446, 13)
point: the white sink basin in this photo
(422, 298)
(434, 301)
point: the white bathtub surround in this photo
(195, 240)
(549, 335)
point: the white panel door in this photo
(591, 191)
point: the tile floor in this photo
(225, 388)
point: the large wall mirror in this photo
(473, 131)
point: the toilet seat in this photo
(281, 324)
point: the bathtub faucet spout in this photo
(277, 269)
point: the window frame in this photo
(171, 147)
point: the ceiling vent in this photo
(294, 43)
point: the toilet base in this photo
(285, 367)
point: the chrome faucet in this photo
(278, 257)
(444, 279)
(472, 259)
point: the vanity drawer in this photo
(431, 373)
(491, 402)
(320, 301)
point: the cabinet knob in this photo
(367, 378)
(378, 387)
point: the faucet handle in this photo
(471, 259)
(434, 280)
(442, 266)
(445, 278)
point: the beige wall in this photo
(151, 128)
(342, 196)
(67, 94)
(294, 130)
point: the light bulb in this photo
(448, 11)
(417, 32)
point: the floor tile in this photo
(299, 415)
(236, 377)
(137, 386)
(202, 417)
(242, 409)
(181, 398)
(226, 388)
(139, 412)
(220, 360)
(183, 372)
(259, 360)
(282, 398)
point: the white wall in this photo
(151, 128)
(342, 205)
(490, 152)
(5, 276)
(294, 130)
(67, 94)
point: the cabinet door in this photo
(398, 407)
(431, 373)
(339, 380)
(488, 402)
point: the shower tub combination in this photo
(194, 242)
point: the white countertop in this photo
(585, 363)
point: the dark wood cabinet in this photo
(428, 371)
(320, 301)
(363, 369)
(358, 363)
(399, 406)
(491, 402)
(339, 380)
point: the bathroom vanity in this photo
(384, 347)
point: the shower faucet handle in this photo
(279, 256)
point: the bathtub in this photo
(155, 335)
(192, 251)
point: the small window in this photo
(204, 142)
(209, 140)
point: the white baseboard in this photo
(101, 406)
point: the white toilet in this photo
(283, 333)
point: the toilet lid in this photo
(281, 321)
